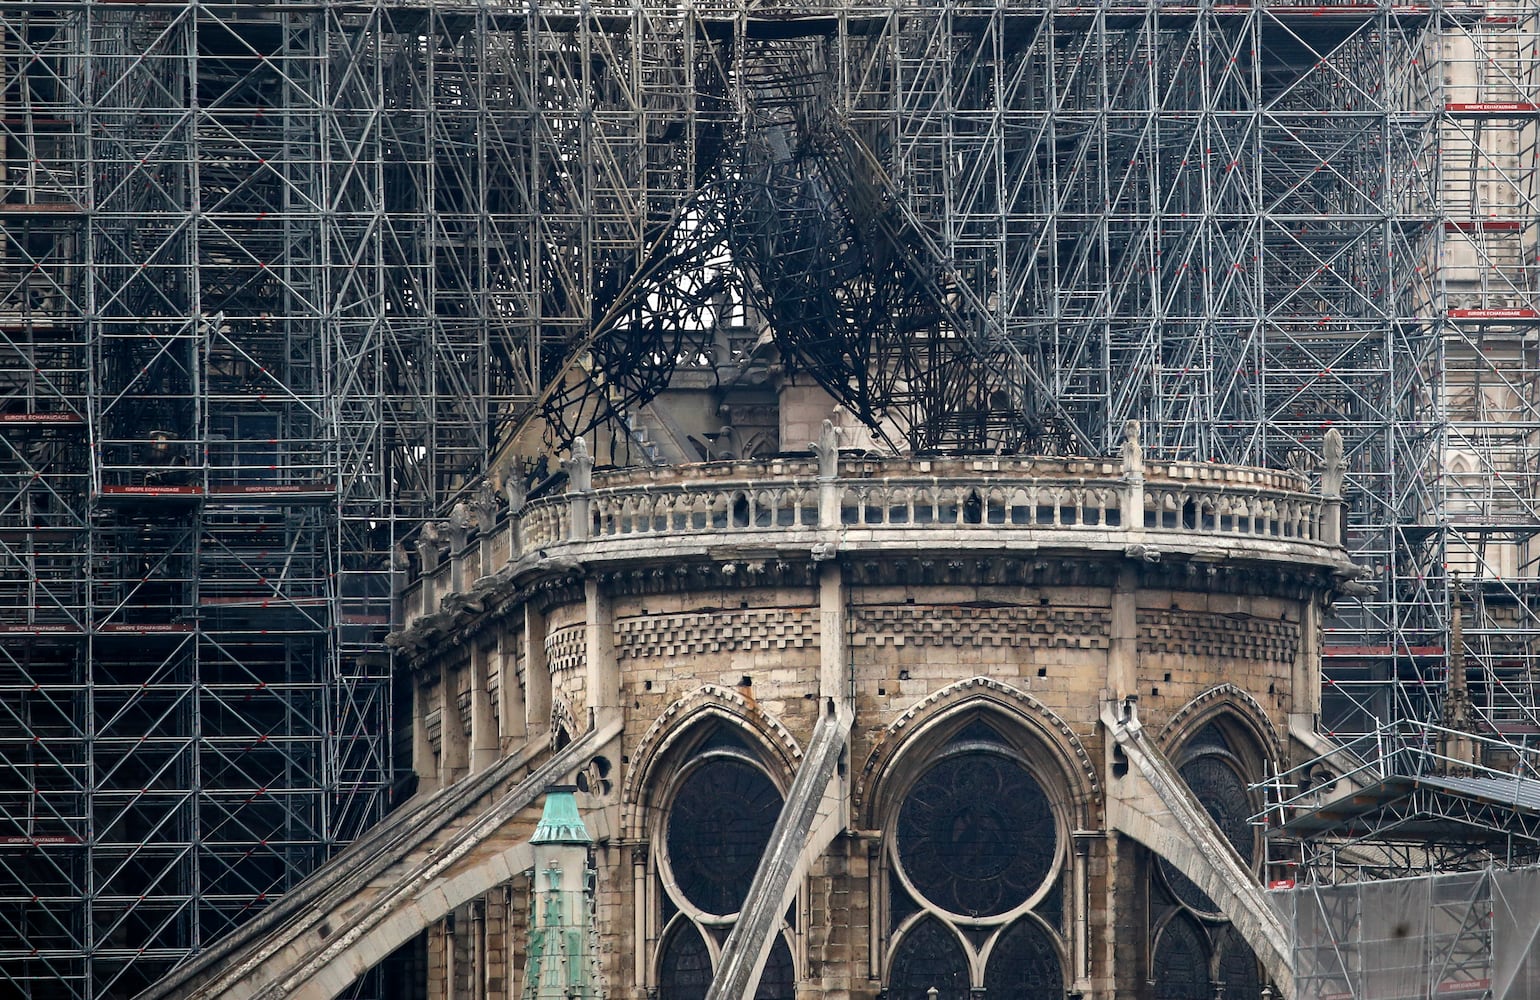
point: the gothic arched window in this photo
(1197, 947)
(975, 855)
(684, 966)
(1235, 965)
(779, 980)
(716, 821)
(929, 955)
(1213, 773)
(1024, 964)
(976, 835)
(718, 827)
(1180, 963)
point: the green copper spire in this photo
(560, 822)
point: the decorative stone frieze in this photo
(982, 569)
(565, 649)
(715, 632)
(1196, 633)
(684, 578)
(1017, 627)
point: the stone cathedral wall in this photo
(950, 641)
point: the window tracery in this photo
(715, 825)
(720, 822)
(930, 955)
(1023, 963)
(779, 980)
(1181, 962)
(1197, 949)
(975, 851)
(1213, 773)
(1235, 967)
(976, 834)
(684, 964)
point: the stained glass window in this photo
(1181, 963)
(1024, 965)
(1186, 890)
(1208, 736)
(900, 904)
(684, 972)
(1051, 906)
(929, 955)
(779, 980)
(1216, 784)
(1237, 965)
(976, 834)
(718, 827)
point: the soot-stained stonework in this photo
(860, 731)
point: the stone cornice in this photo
(982, 521)
(461, 617)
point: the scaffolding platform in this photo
(271, 493)
(1492, 808)
(1506, 314)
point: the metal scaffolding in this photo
(1463, 934)
(1014, 228)
(195, 525)
(277, 282)
(1407, 871)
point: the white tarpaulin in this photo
(1435, 937)
(1515, 920)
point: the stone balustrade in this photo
(781, 505)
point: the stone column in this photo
(428, 542)
(510, 695)
(514, 490)
(1080, 932)
(1133, 477)
(485, 746)
(834, 686)
(478, 948)
(459, 547)
(422, 747)
(641, 919)
(828, 452)
(537, 673)
(1123, 649)
(452, 756)
(580, 486)
(1305, 676)
(484, 511)
(603, 679)
(1333, 472)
